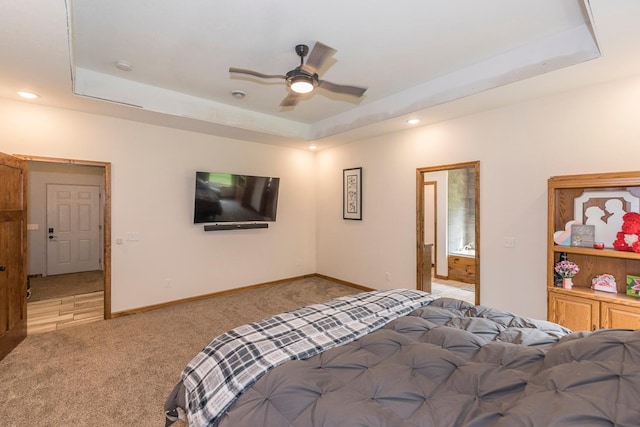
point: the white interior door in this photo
(73, 228)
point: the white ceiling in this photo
(429, 58)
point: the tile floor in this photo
(451, 289)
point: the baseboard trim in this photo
(344, 282)
(232, 291)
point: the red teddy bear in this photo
(628, 239)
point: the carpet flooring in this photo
(65, 285)
(119, 372)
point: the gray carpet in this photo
(65, 285)
(119, 372)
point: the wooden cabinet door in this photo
(573, 312)
(619, 316)
(13, 277)
(462, 269)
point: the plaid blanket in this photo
(233, 361)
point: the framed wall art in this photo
(352, 193)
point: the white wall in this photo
(596, 129)
(592, 130)
(153, 173)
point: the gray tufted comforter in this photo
(454, 364)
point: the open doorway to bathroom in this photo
(447, 230)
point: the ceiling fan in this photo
(304, 78)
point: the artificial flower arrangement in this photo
(566, 269)
(628, 239)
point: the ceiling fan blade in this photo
(347, 90)
(290, 100)
(317, 57)
(256, 74)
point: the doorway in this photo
(40, 237)
(453, 192)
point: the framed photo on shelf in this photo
(582, 235)
(352, 193)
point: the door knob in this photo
(3, 268)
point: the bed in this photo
(405, 358)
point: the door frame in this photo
(106, 231)
(420, 176)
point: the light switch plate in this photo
(132, 236)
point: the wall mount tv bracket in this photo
(219, 227)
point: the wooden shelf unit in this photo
(582, 308)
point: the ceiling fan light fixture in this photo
(301, 84)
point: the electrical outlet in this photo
(387, 276)
(509, 242)
(168, 283)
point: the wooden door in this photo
(573, 312)
(13, 254)
(619, 316)
(73, 228)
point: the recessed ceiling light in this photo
(28, 95)
(124, 66)
(313, 147)
(413, 121)
(238, 94)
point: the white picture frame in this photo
(604, 210)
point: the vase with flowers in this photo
(566, 270)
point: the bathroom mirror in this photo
(448, 230)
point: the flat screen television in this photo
(226, 197)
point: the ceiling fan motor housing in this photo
(302, 50)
